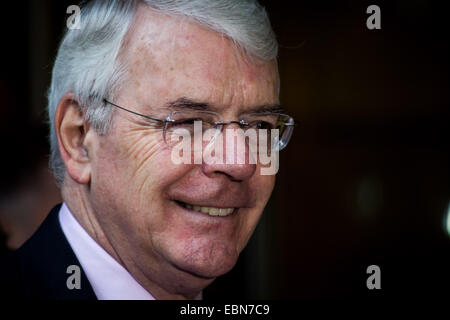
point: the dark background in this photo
(365, 179)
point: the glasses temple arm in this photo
(130, 111)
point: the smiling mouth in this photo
(211, 211)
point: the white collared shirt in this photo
(108, 278)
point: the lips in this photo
(211, 211)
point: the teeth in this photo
(214, 212)
(205, 209)
(210, 210)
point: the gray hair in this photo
(88, 64)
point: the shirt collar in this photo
(108, 278)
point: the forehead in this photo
(170, 57)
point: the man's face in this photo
(138, 193)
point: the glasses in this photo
(212, 124)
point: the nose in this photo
(237, 162)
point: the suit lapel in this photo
(41, 265)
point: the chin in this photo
(207, 262)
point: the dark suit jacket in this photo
(38, 269)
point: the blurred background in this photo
(365, 179)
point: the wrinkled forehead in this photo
(176, 57)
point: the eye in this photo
(263, 125)
(186, 122)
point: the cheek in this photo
(130, 179)
(262, 187)
(140, 159)
(135, 168)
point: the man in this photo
(137, 224)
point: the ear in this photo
(71, 130)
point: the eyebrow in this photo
(267, 108)
(186, 103)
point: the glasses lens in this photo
(269, 131)
(190, 125)
(264, 123)
(286, 127)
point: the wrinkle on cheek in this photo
(141, 150)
